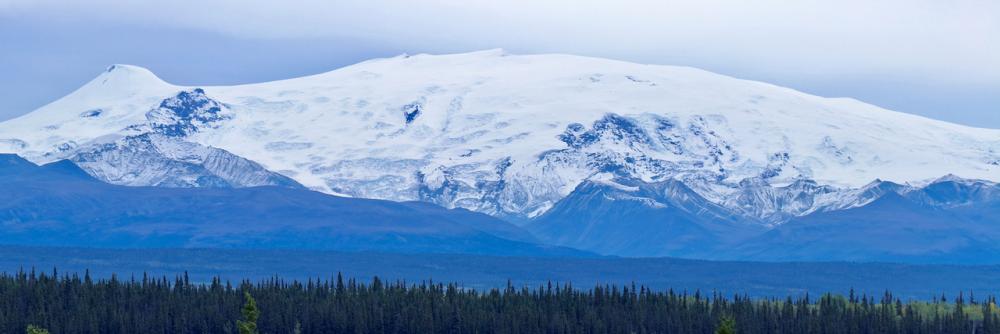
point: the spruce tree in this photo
(250, 314)
(726, 326)
(32, 329)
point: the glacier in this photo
(503, 134)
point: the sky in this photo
(939, 59)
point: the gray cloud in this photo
(953, 39)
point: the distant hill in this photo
(60, 205)
(950, 221)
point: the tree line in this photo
(81, 304)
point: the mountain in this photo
(954, 192)
(632, 218)
(943, 222)
(59, 204)
(948, 220)
(153, 159)
(507, 135)
(606, 156)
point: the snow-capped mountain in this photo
(511, 135)
(153, 159)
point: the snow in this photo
(607, 179)
(482, 130)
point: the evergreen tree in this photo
(250, 314)
(32, 329)
(726, 326)
(81, 304)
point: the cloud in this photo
(944, 39)
(936, 58)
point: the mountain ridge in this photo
(949, 220)
(58, 204)
(888, 223)
(511, 135)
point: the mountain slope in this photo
(630, 218)
(896, 227)
(152, 159)
(949, 220)
(60, 205)
(512, 135)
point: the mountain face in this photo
(502, 134)
(155, 152)
(948, 220)
(606, 156)
(943, 222)
(632, 218)
(59, 204)
(153, 159)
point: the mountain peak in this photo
(950, 177)
(128, 75)
(488, 53)
(7, 159)
(12, 163)
(496, 52)
(115, 84)
(958, 179)
(67, 168)
(117, 68)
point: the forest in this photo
(40, 302)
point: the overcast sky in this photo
(940, 59)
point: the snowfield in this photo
(510, 135)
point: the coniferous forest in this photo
(80, 304)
